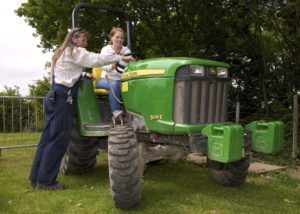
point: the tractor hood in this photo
(165, 96)
(164, 66)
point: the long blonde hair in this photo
(113, 32)
(68, 42)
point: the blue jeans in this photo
(55, 137)
(115, 85)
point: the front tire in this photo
(229, 174)
(125, 167)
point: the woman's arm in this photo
(107, 51)
(88, 59)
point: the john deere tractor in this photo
(173, 107)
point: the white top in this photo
(68, 69)
(109, 70)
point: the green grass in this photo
(180, 187)
(19, 138)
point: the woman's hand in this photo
(127, 58)
(90, 76)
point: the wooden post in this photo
(295, 127)
(237, 112)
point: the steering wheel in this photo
(121, 65)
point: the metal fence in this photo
(21, 121)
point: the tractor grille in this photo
(199, 99)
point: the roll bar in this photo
(119, 12)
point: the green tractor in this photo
(174, 107)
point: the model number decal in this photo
(156, 117)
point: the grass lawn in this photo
(19, 138)
(180, 187)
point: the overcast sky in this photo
(21, 61)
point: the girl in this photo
(110, 77)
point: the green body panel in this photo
(151, 96)
(170, 64)
(267, 137)
(88, 110)
(188, 128)
(225, 142)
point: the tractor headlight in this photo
(222, 72)
(197, 70)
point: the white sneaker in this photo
(117, 113)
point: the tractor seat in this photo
(97, 74)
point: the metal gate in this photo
(21, 121)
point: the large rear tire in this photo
(230, 174)
(81, 153)
(125, 167)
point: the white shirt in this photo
(68, 69)
(108, 70)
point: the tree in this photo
(10, 109)
(10, 91)
(40, 87)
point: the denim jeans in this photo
(115, 86)
(55, 137)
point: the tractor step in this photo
(98, 126)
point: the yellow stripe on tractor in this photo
(143, 72)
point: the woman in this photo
(111, 77)
(67, 66)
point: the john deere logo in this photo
(212, 71)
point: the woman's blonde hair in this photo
(113, 32)
(68, 42)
